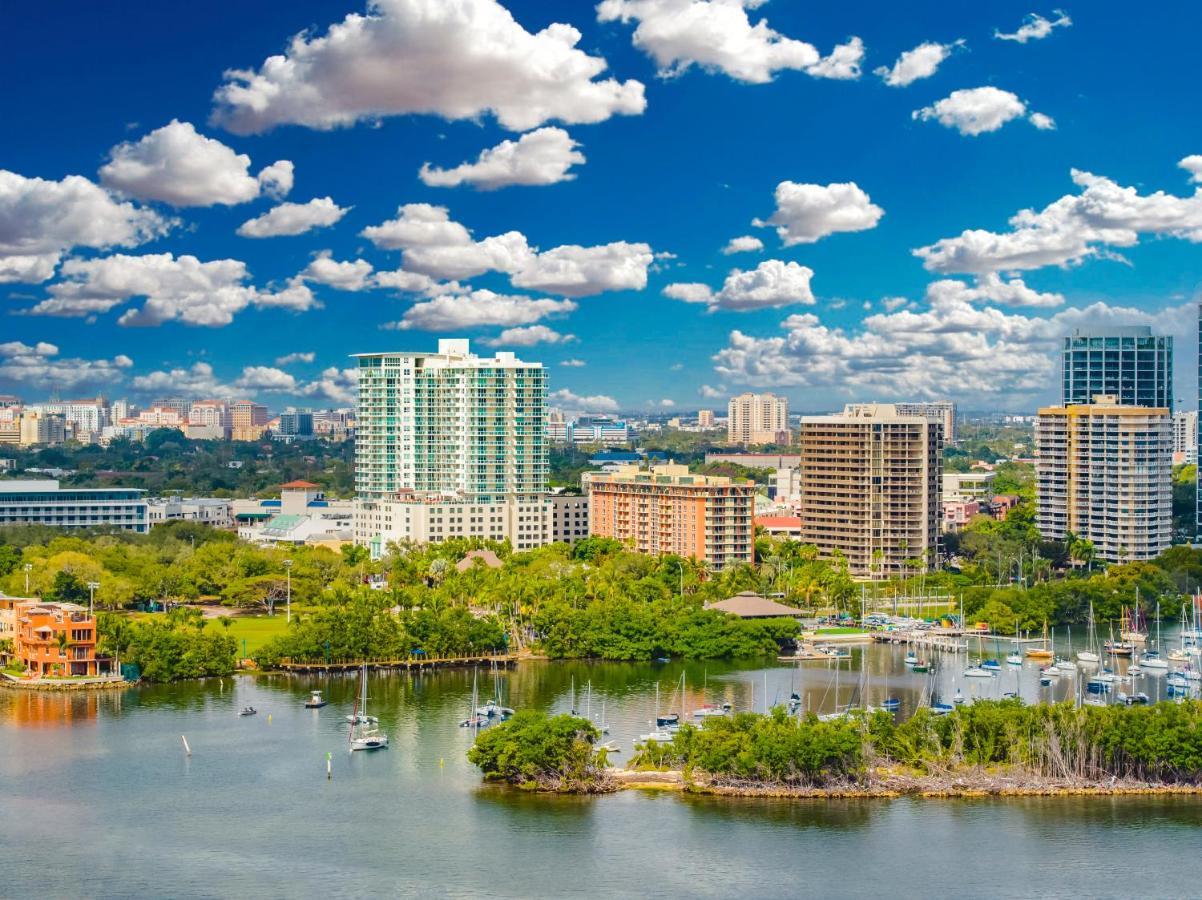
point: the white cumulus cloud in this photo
(1193, 165)
(40, 366)
(574, 402)
(479, 308)
(921, 62)
(458, 60)
(304, 356)
(806, 213)
(336, 385)
(536, 158)
(974, 111)
(40, 220)
(352, 275)
(573, 363)
(743, 244)
(770, 284)
(1035, 27)
(1069, 230)
(719, 36)
(178, 165)
(290, 219)
(529, 336)
(265, 378)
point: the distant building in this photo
(968, 485)
(42, 429)
(1185, 436)
(1130, 364)
(248, 420)
(756, 460)
(780, 526)
(1103, 471)
(569, 518)
(758, 419)
(214, 511)
(45, 503)
(750, 605)
(665, 509)
(705, 418)
(55, 640)
(302, 515)
(557, 426)
(604, 430)
(958, 513)
(295, 425)
(870, 488)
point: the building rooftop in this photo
(750, 605)
(299, 485)
(485, 557)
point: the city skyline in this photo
(237, 226)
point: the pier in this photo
(409, 663)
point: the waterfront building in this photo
(1185, 436)
(55, 639)
(870, 488)
(43, 502)
(665, 509)
(450, 444)
(941, 411)
(1129, 363)
(248, 420)
(569, 518)
(1103, 471)
(757, 419)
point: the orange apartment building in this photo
(665, 509)
(38, 646)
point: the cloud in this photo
(536, 158)
(529, 336)
(921, 62)
(435, 245)
(41, 366)
(336, 385)
(178, 165)
(593, 403)
(991, 288)
(197, 380)
(290, 219)
(477, 309)
(176, 288)
(345, 276)
(806, 213)
(1193, 165)
(712, 393)
(988, 355)
(974, 111)
(1035, 28)
(573, 363)
(1069, 230)
(718, 36)
(744, 244)
(772, 283)
(458, 60)
(305, 356)
(265, 378)
(41, 220)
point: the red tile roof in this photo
(300, 485)
(778, 521)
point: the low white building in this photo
(430, 519)
(214, 511)
(302, 515)
(44, 502)
(976, 485)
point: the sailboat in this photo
(365, 736)
(1152, 658)
(1090, 654)
(1044, 652)
(1135, 632)
(660, 735)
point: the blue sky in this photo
(137, 281)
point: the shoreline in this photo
(973, 785)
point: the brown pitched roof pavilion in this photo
(750, 605)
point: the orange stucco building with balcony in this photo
(55, 639)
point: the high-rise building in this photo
(1103, 471)
(665, 509)
(179, 404)
(705, 418)
(1185, 436)
(40, 428)
(870, 488)
(1130, 364)
(295, 425)
(941, 411)
(451, 444)
(758, 419)
(248, 420)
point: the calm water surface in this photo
(99, 799)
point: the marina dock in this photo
(410, 663)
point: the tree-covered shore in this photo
(989, 747)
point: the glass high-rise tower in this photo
(1131, 364)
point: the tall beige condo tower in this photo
(1103, 471)
(758, 419)
(870, 488)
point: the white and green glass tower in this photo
(458, 439)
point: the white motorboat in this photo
(1014, 659)
(977, 672)
(1088, 656)
(659, 736)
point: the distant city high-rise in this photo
(1185, 436)
(941, 411)
(1130, 364)
(451, 444)
(248, 420)
(758, 419)
(871, 482)
(705, 418)
(1103, 471)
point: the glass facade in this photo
(1132, 364)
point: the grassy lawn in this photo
(255, 630)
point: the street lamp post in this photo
(92, 586)
(288, 572)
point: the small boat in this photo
(794, 702)
(977, 672)
(1176, 680)
(1139, 698)
(1119, 648)
(667, 720)
(609, 747)
(1178, 655)
(891, 704)
(711, 710)
(659, 736)
(941, 709)
(474, 721)
(1049, 672)
(1066, 667)
(920, 667)
(911, 659)
(493, 708)
(1153, 660)
(1014, 659)
(1133, 671)
(315, 701)
(247, 711)
(992, 665)
(1105, 677)
(1086, 656)
(365, 735)
(959, 698)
